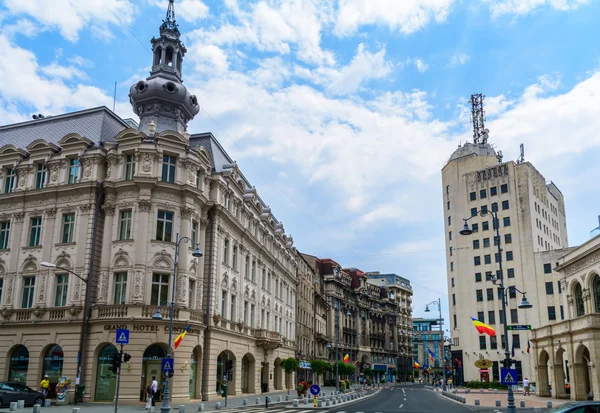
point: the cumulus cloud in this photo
(523, 7)
(459, 59)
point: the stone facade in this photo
(532, 220)
(565, 353)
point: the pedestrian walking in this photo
(526, 387)
(45, 385)
(149, 395)
(154, 390)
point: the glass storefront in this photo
(19, 362)
(106, 380)
(193, 374)
(53, 364)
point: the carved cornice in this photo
(145, 205)
(581, 263)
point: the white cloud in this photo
(80, 61)
(72, 16)
(459, 59)
(23, 27)
(187, 10)
(406, 16)
(64, 72)
(523, 7)
(421, 65)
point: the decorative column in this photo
(105, 262)
(142, 223)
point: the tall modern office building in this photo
(531, 215)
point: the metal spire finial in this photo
(169, 22)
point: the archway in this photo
(277, 369)
(53, 364)
(559, 389)
(578, 296)
(248, 368)
(543, 385)
(195, 372)
(364, 368)
(264, 377)
(151, 366)
(583, 385)
(226, 368)
(19, 363)
(106, 380)
(596, 293)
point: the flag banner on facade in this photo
(483, 328)
(431, 356)
(347, 358)
(180, 337)
(416, 364)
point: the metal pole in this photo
(118, 380)
(511, 408)
(337, 345)
(166, 406)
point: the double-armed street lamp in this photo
(166, 406)
(499, 281)
(337, 341)
(438, 303)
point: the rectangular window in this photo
(477, 260)
(168, 169)
(495, 207)
(254, 271)
(506, 221)
(473, 196)
(487, 259)
(1, 288)
(28, 290)
(516, 341)
(68, 225)
(491, 317)
(504, 205)
(501, 316)
(447, 189)
(482, 343)
(496, 257)
(263, 281)
(121, 288)
(482, 194)
(473, 212)
(514, 315)
(232, 308)
(493, 345)
(160, 289)
(509, 255)
(129, 167)
(448, 205)
(479, 295)
(234, 257)
(125, 225)
(507, 238)
(9, 181)
(4, 234)
(485, 225)
(194, 235)
(512, 293)
(198, 179)
(164, 226)
(559, 288)
(490, 294)
(62, 284)
(488, 276)
(450, 236)
(73, 171)
(226, 252)
(504, 188)
(475, 244)
(191, 293)
(40, 176)
(547, 268)
(246, 312)
(480, 316)
(486, 243)
(494, 191)
(451, 266)
(247, 267)
(475, 227)
(454, 319)
(477, 277)
(452, 282)
(35, 233)
(451, 250)
(551, 313)
(510, 272)
(549, 288)
(449, 220)
(453, 299)
(484, 209)
(252, 315)
(223, 304)
(562, 313)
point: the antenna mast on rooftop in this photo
(480, 133)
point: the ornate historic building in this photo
(102, 205)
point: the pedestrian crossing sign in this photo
(122, 336)
(509, 376)
(167, 364)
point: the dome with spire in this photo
(162, 98)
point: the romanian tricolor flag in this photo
(483, 328)
(356, 362)
(416, 365)
(431, 356)
(347, 358)
(180, 337)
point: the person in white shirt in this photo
(154, 390)
(526, 387)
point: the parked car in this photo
(13, 392)
(577, 407)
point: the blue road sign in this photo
(509, 376)
(167, 364)
(315, 389)
(122, 336)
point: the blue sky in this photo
(341, 112)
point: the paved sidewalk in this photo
(488, 399)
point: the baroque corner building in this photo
(104, 201)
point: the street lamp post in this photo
(166, 405)
(441, 320)
(84, 328)
(499, 281)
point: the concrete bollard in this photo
(287, 397)
(75, 410)
(20, 404)
(480, 390)
(522, 403)
(47, 403)
(245, 402)
(13, 406)
(218, 406)
(279, 399)
(319, 403)
(257, 400)
(201, 407)
(498, 403)
(327, 404)
(549, 405)
(495, 391)
(181, 408)
(36, 408)
(295, 402)
(477, 402)
(306, 400)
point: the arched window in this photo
(53, 364)
(169, 56)
(596, 292)
(579, 308)
(19, 363)
(106, 380)
(157, 55)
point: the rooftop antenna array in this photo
(521, 158)
(480, 133)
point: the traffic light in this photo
(116, 362)
(126, 357)
(229, 365)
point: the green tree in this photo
(289, 365)
(319, 367)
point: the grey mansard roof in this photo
(97, 124)
(479, 149)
